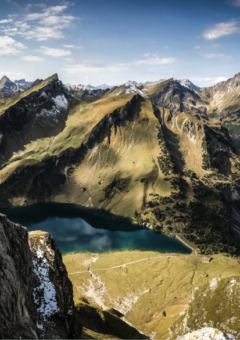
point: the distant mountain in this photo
(22, 82)
(184, 82)
(150, 83)
(91, 88)
(131, 82)
(6, 83)
(187, 82)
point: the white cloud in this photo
(74, 46)
(97, 67)
(234, 2)
(10, 46)
(196, 46)
(204, 79)
(219, 79)
(12, 75)
(76, 68)
(221, 29)
(43, 33)
(5, 21)
(33, 58)
(155, 60)
(70, 59)
(46, 24)
(216, 55)
(47, 11)
(54, 52)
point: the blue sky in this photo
(96, 42)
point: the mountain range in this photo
(185, 82)
(9, 88)
(165, 155)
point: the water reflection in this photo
(78, 229)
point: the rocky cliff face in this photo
(17, 310)
(36, 297)
(52, 290)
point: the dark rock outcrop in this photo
(17, 309)
(36, 296)
(52, 289)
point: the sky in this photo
(110, 42)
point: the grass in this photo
(160, 282)
(220, 306)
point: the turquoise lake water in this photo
(79, 229)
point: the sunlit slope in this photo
(109, 152)
(121, 167)
(142, 285)
(81, 120)
(164, 169)
(5, 103)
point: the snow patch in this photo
(61, 102)
(39, 326)
(49, 113)
(44, 295)
(40, 253)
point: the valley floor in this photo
(142, 285)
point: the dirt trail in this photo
(121, 265)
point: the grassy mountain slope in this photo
(219, 303)
(164, 169)
(141, 285)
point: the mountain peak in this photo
(6, 83)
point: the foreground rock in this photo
(17, 310)
(36, 297)
(52, 289)
(207, 333)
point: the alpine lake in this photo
(77, 229)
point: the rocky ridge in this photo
(36, 298)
